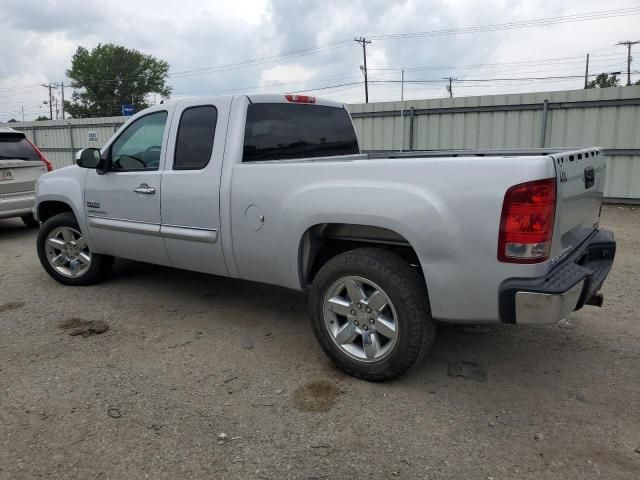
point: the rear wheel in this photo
(65, 255)
(370, 313)
(29, 221)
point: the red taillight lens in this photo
(42, 157)
(300, 98)
(526, 225)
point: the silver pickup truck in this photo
(274, 189)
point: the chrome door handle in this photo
(144, 188)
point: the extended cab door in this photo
(123, 204)
(191, 186)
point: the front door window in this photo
(139, 146)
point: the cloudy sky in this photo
(239, 46)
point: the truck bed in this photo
(511, 152)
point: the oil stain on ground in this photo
(11, 306)
(318, 396)
(78, 326)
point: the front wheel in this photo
(370, 313)
(65, 255)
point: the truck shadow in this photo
(507, 354)
(14, 228)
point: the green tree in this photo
(110, 75)
(13, 120)
(604, 80)
(41, 117)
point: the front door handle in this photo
(144, 188)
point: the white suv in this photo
(21, 164)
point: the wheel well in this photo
(322, 242)
(50, 208)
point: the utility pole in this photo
(402, 109)
(586, 73)
(450, 87)
(62, 92)
(50, 100)
(628, 44)
(50, 104)
(363, 41)
(57, 110)
(22, 108)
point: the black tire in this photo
(29, 221)
(100, 264)
(406, 290)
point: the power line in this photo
(483, 65)
(582, 17)
(261, 60)
(339, 43)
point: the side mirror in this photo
(90, 158)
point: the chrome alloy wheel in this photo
(360, 318)
(67, 252)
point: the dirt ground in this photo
(205, 377)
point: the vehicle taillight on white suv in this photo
(526, 224)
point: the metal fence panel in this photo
(60, 139)
(608, 118)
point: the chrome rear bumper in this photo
(543, 308)
(567, 287)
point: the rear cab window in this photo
(14, 146)
(285, 131)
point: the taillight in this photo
(526, 225)
(42, 157)
(300, 98)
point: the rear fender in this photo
(416, 215)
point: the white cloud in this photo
(271, 78)
(41, 36)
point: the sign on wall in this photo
(128, 110)
(92, 136)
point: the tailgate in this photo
(580, 183)
(18, 176)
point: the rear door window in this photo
(195, 138)
(280, 131)
(16, 147)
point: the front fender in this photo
(66, 186)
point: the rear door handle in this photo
(144, 188)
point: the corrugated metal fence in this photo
(608, 118)
(60, 139)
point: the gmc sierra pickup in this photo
(274, 189)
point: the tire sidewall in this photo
(412, 331)
(93, 273)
